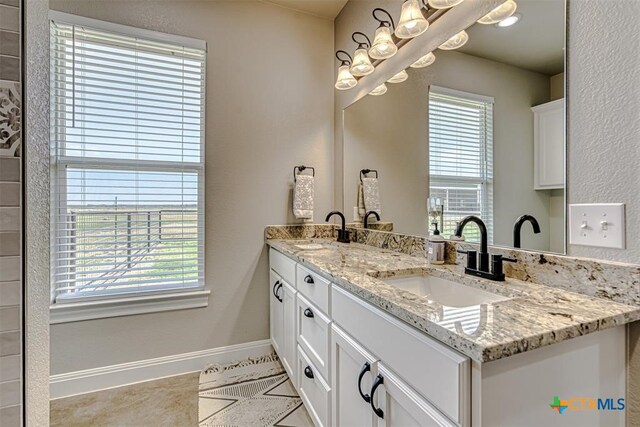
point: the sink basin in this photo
(445, 292)
(309, 246)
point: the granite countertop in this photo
(533, 316)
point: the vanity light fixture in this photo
(412, 22)
(498, 14)
(383, 46)
(361, 65)
(379, 90)
(425, 61)
(444, 4)
(509, 21)
(456, 41)
(399, 78)
(345, 78)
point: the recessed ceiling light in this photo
(507, 22)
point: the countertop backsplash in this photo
(614, 281)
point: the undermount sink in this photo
(444, 291)
(310, 246)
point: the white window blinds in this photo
(461, 157)
(127, 118)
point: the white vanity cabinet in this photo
(548, 145)
(354, 364)
(282, 310)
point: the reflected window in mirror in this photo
(461, 158)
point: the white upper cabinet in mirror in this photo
(478, 130)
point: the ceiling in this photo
(535, 43)
(323, 8)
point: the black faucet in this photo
(366, 217)
(343, 234)
(517, 227)
(478, 263)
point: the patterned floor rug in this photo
(252, 392)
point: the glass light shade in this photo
(361, 64)
(383, 45)
(501, 12)
(456, 41)
(399, 78)
(345, 78)
(412, 22)
(444, 4)
(425, 61)
(380, 90)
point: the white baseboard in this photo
(80, 382)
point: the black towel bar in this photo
(301, 169)
(365, 172)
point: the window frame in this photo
(121, 303)
(486, 181)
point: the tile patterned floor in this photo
(253, 392)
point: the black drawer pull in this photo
(308, 279)
(308, 372)
(366, 368)
(308, 312)
(377, 383)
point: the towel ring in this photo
(301, 169)
(364, 173)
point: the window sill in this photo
(89, 310)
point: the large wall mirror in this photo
(480, 131)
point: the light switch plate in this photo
(597, 224)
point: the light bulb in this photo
(399, 78)
(501, 12)
(444, 4)
(425, 61)
(361, 64)
(412, 22)
(380, 90)
(456, 41)
(383, 45)
(345, 78)
(509, 21)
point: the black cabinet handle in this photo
(308, 372)
(308, 279)
(308, 312)
(377, 383)
(366, 368)
(275, 291)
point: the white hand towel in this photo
(371, 195)
(361, 210)
(303, 193)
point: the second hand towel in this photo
(371, 195)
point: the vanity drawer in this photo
(315, 287)
(314, 333)
(283, 265)
(438, 373)
(314, 390)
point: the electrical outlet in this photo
(597, 224)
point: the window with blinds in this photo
(127, 132)
(461, 157)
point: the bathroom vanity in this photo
(375, 337)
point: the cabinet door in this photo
(276, 311)
(549, 145)
(352, 374)
(397, 404)
(288, 353)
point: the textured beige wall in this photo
(269, 107)
(404, 119)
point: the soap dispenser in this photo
(435, 246)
